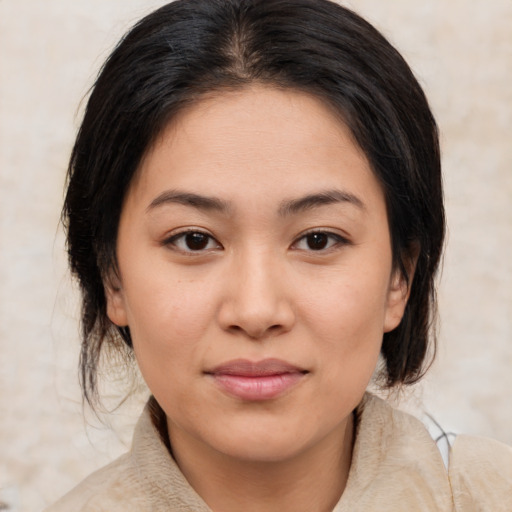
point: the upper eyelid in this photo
(183, 231)
(169, 238)
(175, 234)
(339, 238)
(325, 231)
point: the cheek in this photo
(170, 329)
(350, 307)
(347, 318)
(167, 318)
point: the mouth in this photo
(256, 381)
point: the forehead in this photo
(259, 140)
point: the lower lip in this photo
(258, 388)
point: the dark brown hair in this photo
(191, 47)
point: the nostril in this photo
(256, 319)
(256, 333)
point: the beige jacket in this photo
(396, 467)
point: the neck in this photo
(311, 480)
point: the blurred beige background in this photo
(49, 54)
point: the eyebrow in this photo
(311, 201)
(287, 207)
(189, 199)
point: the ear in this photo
(116, 307)
(399, 291)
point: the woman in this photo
(254, 211)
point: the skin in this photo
(257, 286)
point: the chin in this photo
(265, 449)
(264, 441)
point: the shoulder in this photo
(395, 458)
(110, 489)
(481, 474)
(145, 479)
(396, 466)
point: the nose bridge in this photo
(257, 265)
(257, 301)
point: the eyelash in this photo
(335, 239)
(331, 240)
(173, 241)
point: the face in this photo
(255, 274)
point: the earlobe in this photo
(398, 295)
(400, 287)
(116, 310)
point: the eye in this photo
(193, 241)
(319, 241)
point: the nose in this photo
(258, 301)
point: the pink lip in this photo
(256, 381)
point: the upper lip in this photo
(263, 368)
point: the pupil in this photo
(196, 241)
(317, 241)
